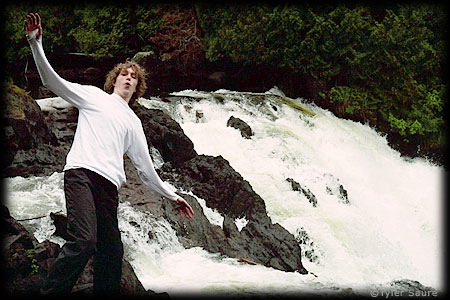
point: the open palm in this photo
(184, 209)
(32, 23)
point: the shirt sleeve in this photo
(140, 156)
(74, 93)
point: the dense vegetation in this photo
(379, 65)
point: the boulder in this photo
(262, 243)
(24, 126)
(32, 147)
(213, 179)
(166, 135)
(244, 128)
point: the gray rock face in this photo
(222, 188)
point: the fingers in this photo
(33, 22)
(38, 19)
(185, 211)
(184, 208)
(28, 22)
(33, 19)
(189, 212)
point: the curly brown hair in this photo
(140, 75)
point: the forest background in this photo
(382, 65)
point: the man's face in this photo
(125, 84)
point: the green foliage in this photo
(424, 121)
(352, 102)
(57, 23)
(378, 66)
(381, 66)
(252, 34)
(94, 30)
(114, 31)
(34, 266)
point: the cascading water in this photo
(375, 220)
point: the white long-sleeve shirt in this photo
(107, 129)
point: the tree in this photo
(178, 37)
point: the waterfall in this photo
(365, 216)
(389, 225)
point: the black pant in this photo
(91, 202)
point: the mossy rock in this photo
(295, 105)
(25, 127)
(16, 102)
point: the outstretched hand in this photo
(32, 23)
(184, 209)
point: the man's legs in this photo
(108, 259)
(91, 202)
(82, 228)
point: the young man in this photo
(94, 171)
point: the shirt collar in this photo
(120, 99)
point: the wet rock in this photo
(25, 259)
(197, 231)
(308, 194)
(244, 128)
(309, 248)
(213, 179)
(223, 189)
(229, 227)
(343, 194)
(37, 141)
(165, 134)
(60, 222)
(140, 196)
(334, 187)
(25, 128)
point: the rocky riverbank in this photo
(37, 141)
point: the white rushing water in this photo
(389, 229)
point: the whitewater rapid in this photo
(389, 230)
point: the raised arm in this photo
(74, 93)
